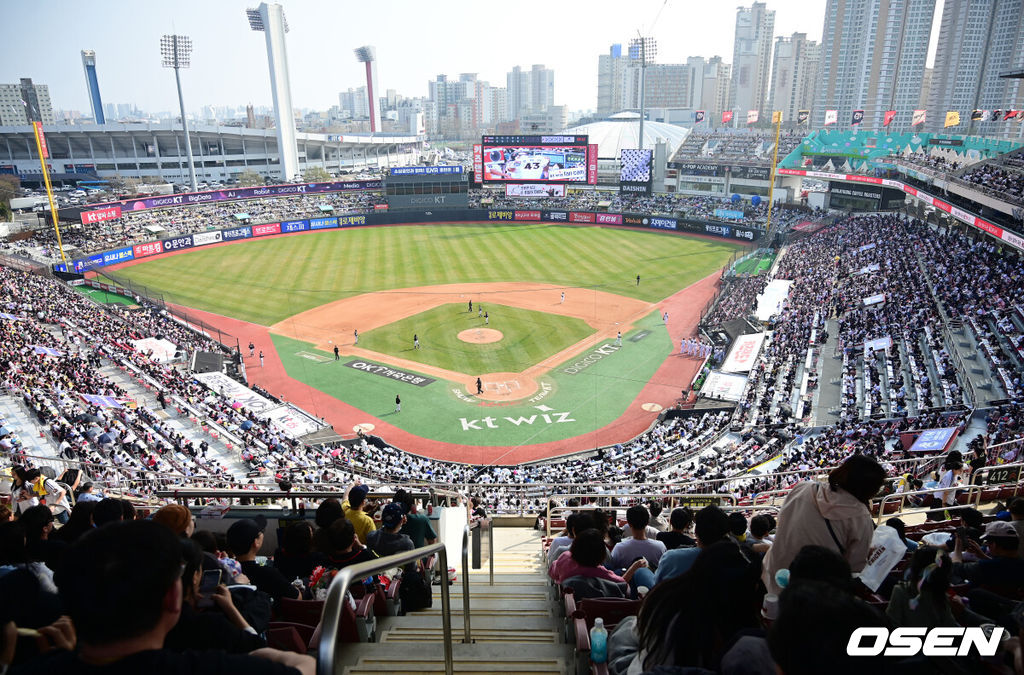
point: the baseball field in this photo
(570, 350)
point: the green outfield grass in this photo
(266, 281)
(104, 297)
(529, 337)
(756, 264)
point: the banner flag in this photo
(858, 117)
(698, 117)
(752, 116)
(918, 118)
(831, 117)
(952, 119)
(802, 116)
(727, 117)
(777, 117)
(890, 115)
(978, 115)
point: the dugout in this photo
(420, 187)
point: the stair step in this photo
(476, 611)
(479, 666)
(436, 634)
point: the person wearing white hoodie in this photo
(835, 516)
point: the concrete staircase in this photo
(514, 625)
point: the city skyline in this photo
(229, 63)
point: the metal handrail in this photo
(973, 496)
(330, 620)
(467, 637)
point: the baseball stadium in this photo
(463, 384)
(573, 354)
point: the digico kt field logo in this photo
(911, 641)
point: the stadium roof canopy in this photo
(621, 131)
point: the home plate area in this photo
(504, 388)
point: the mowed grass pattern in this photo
(529, 337)
(266, 281)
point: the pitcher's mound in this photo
(480, 336)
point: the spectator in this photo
(345, 548)
(245, 538)
(576, 521)
(711, 526)
(108, 510)
(295, 557)
(921, 600)
(680, 520)
(328, 512)
(581, 568)
(689, 620)
(638, 546)
(1017, 520)
(177, 518)
(417, 526)
(221, 626)
(353, 506)
(829, 616)
(658, 522)
(121, 586)
(78, 524)
(388, 540)
(835, 516)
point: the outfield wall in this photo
(239, 233)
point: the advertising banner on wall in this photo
(98, 216)
(534, 190)
(743, 354)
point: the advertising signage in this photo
(635, 171)
(537, 159)
(424, 170)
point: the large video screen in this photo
(535, 159)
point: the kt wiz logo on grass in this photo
(911, 641)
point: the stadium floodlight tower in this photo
(269, 19)
(95, 102)
(176, 51)
(643, 49)
(368, 55)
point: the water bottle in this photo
(598, 642)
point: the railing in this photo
(485, 525)
(436, 497)
(709, 498)
(973, 497)
(330, 646)
(467, 637)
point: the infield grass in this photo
(528, 338)
(267, 280)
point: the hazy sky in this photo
(415, 41)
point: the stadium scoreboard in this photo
(554, 158)
(410, 187)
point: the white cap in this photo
(598, 622)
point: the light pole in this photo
(176, 51)
(643, 49)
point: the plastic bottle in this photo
(598, 642)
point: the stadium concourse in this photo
(851, 403)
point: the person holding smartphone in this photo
(209, 618)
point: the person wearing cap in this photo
(87, 495)
(245, 537)
(177, 518)
(388, 540)
(998, 565)
(355, 501)
(997, 574)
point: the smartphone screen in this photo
(208, 583)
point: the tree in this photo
(316, 174)
(249, 178)
(8, 190)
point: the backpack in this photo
(415, 592)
